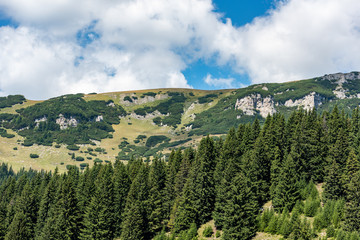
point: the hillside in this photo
(119, 125)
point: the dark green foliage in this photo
(128, 98)
(287, 190)
(33, 155)
(174, 106)
(208, 231)
(151, 94)
(207, 98)
(73, 147)
(153, 140)
(241, 210)
(79, 159)
(352, 209)
(11, 100)
(74, 107)
(198, 200)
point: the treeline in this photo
(226, 180)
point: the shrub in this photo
(15, 148)
(73, 147)
(136, 141)
(57, 146)
(99, 149)
(33, 155)
(98, 160)
(89, 158)
(27, 143)
(208, 231)
(153, 140)
(141, 137)
(218, 234)
(84, 165)
(79, 159)
(62, 163)
(151, 94)
(127, 98)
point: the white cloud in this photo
(300, 39)
(219, 82)
(138, 44)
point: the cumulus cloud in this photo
(65, 46)
(219, 82)
(300, 39)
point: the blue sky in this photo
(240, 13)
(49, 48)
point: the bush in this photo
(27, 143)
(141, 137)
(136, 141)
(127, 98)
(99, 149)
(153, 140)
(208, 231)
(57, 146)
(89, 158)
(73, 147)
(79, 159)
(15, 148)
(218, 234)
(62, 163)
(98, 160)
(84, 165)
(33, 155)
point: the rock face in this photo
(43, 119)
(313, 100)
(66, 122)
(250, 104)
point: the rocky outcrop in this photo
(339, 79)
(39, 120)
(313, 100)
(255, 102)
(99, 118)
(66, 122)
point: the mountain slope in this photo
(102, 127)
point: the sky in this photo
(50, 48)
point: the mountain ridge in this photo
(145, 123)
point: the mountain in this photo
(102, 127)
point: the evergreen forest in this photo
(295, 177)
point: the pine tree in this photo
(99, 217)
(287, 192)
(241, 210)
(156, 198)
(135, 223)
(352, 209)
(122, 184)
(22, 225)
(333, 188)
(198, 198)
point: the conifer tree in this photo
(135, 223)
(122, 184)
(156, 198)
(333, 188)
(287, 192)
(99, 217)
(198, 198)
(352, 209)
(241, 210)
(22, 225)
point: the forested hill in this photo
(296, 179)
(81, 129)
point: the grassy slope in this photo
(215, 117)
